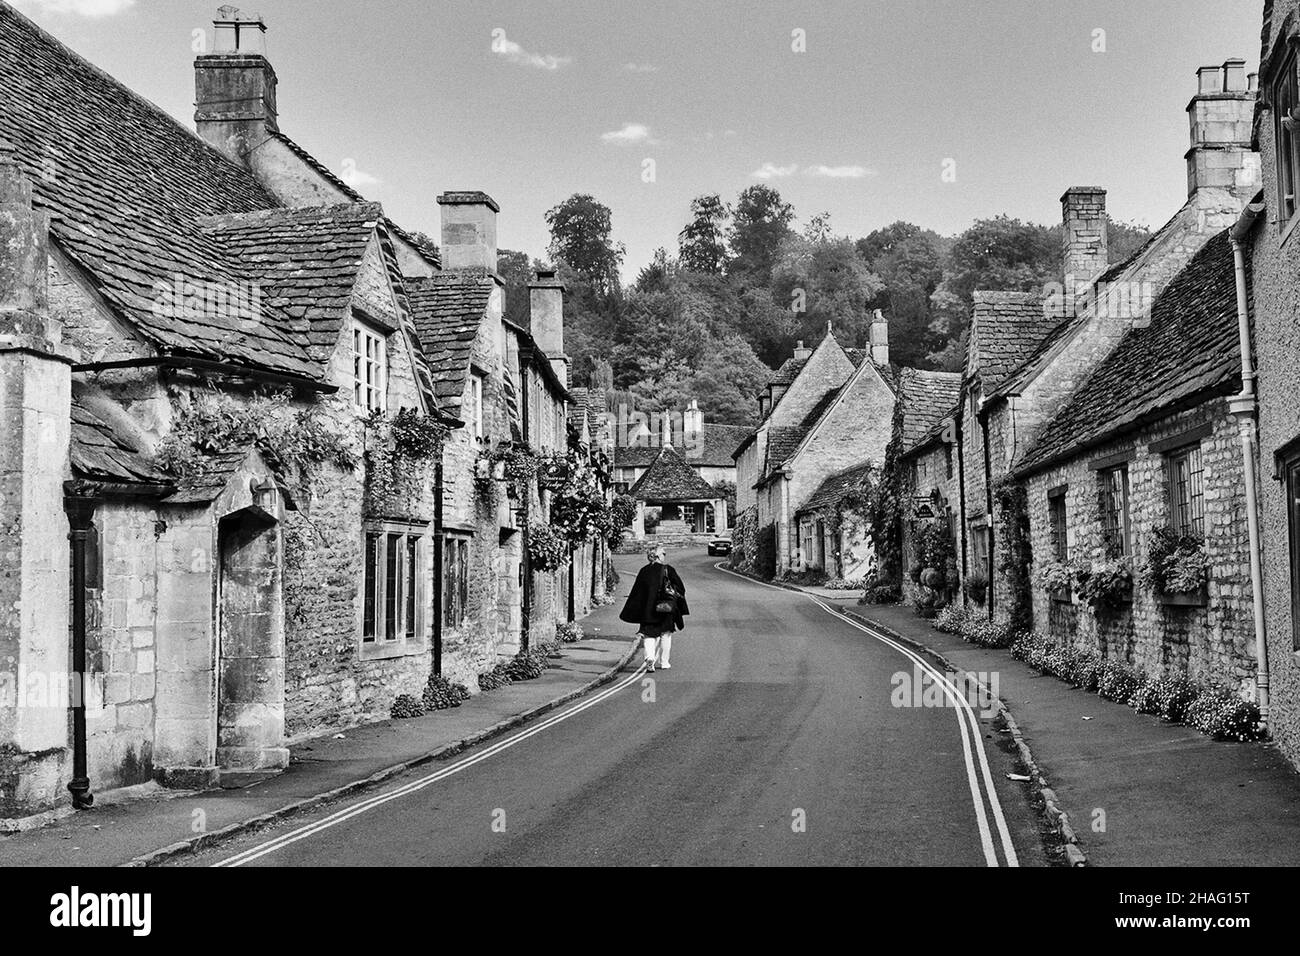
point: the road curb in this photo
(206, 841)
(1052, 812)
(1055, 816)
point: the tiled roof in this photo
(306, 261)
(425, 248)
(830, 491)
(782, 440)
(714, 450)
(100, 452)
(1008, 328)
(209, 478)
(1189, 348)
(925, 399)
(125, 186)
(788, 371)
(448, 308)
(670, 478)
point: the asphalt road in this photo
(775, 739)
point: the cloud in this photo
(81, 8)
(630, 134)
(840, 172)
(640, 67)
(357, 178)
(512, 51)
(773, 171)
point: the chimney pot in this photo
(801, 351)
(878, 336)
(1234, 76)
(546, 318)
(1220, 119)
(235, 85)
(1209, 80)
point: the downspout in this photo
(988, 503)
(1244, 407)
(961, 497)
(80, 511)
(525, 512)
(438, 559)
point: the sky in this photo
(933, 111)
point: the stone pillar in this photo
(719, 515)
(35, 428)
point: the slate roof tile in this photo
(125, 186)
(671, 478)
(925, 398)
(1009, 329)
(448, 308)
(830, 491)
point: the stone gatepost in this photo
(35, 429)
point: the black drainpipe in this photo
(437, 567)
(988, 503)
(525, 511)
(961, 497)
(81, 512)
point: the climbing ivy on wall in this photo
(885, 513)
(401, 451)
(1015, 553)
(293, 438)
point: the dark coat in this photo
(640, 606)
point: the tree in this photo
(759, 224)
(702, 245)
(909, 261)
(581, 236)
(824, 281)
(998, 254)
(516, 271)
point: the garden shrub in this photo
(440, 693)
(405, 706)
(951, 620)
(568, 633)
(1118, 681)
(1223, 715)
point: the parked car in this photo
(720, 544)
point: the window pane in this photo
(369, 584)
(1293, 515)
(410, 586)
(390, 589)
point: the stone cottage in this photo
(825, 410)
(1028, 352)
(1147, 450)
(706, 446)
(216, 388)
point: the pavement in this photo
(772, 740)
(1139, 791)
(322, 769)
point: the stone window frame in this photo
(1058, 523)
(980, 556)
(1284, 101)
(477, 420)
(369, 366)
(409, 577)
(456, 547)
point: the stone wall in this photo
(925, 475)
(1275, 287)
(1211, 644)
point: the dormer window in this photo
(369, 367)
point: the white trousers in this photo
(662, 644)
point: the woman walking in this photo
(656, 605)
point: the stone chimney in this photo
(1084, 250)
(469, 230)
(1220, 117)
(878, 336)
(234, 85)
(802, 352)
(36, 411)
(545, 309)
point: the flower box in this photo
(1197, 598)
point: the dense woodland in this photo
(748, 280)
